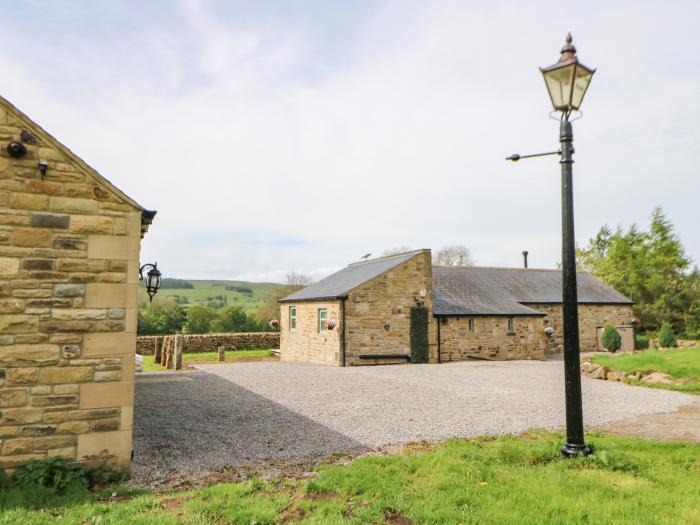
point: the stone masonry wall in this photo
(145, 344)
(590, 317)
(386, 301)
(306, 343)
(490, 338)
(69, 251)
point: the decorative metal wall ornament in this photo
(16, 150)
(152, 279)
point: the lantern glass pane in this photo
(153, 281)
(558, 83)
(581, 81)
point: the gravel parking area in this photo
(253, 413)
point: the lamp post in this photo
(567, 82)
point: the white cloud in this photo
(239, 127)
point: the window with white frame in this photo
(292, 318)
(322, 318)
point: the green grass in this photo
(207, 357)
(507, 480)
(679, 364)
(205, 289)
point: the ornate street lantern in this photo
(152, 279)
(567, 80)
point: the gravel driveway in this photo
(253, 413)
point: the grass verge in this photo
(232, 356)
(504, 480)
(679, 364)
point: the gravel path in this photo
(252, 413)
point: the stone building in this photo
(69, 268)
(487, 313)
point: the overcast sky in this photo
(300, 135)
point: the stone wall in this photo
(69, 251)
(378, 312)
(490, 338)
(193, 343)
(306, 343)
(590, 317)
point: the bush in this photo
(61, 476)
(611, 339)
(667, 338)
(641, 342)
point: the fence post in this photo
(178, 352)
(222, 354)
(156, 350)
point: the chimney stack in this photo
(525, 259)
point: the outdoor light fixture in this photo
(43, 166)
(16, 150)
(152, 279)
(567, 82)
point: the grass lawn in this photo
(518, 480)
(679, 364)
(207, 357)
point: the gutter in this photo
(437, 321)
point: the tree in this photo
(233, 319)
(163, 316)
(651, 268)
(667, 338)
(296, 281)
(454, 255)
(270, 308)
(611, 339)
(200, 319)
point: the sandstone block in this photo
(91, 224)
(29, 201)
(73, 205)
(17, 446)
(109, 344)
(18, 324)
(29, 355)
(52, 401)
(120, 226)
(15, 461)
(614, 375)
(45, 187)
(32, 237)
(127, 418)
(15, 397)
(65, 453)
(65, 374)
(61, 243)
(20, 416)
(11, 306)
(40, 390)
(82, 265)
(22, 376)
(104, 395)
(104, 425)
(80, 314)
(6, 432)
(9, 266)
(117, 443)
(65, 338)
(69, 290)
(73, 427)
(46, 443)
(38, 430)
(109, 295)
(49, 220)
(111, 247)
(66, 389)
(38, 264)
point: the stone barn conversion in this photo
(69, 268)
(366, 313)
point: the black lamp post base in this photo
(571, 451)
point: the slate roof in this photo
(508, 291)
(340, 283)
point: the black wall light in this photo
(152, 279)
(43, 166)
(16, 150)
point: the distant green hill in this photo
(240, 293)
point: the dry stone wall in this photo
(194, 343)
(69, 250)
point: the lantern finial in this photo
(569, 49)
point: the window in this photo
(470, 325)
(292, 318)
(322, 318)
(511, 330)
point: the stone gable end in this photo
(69, 258)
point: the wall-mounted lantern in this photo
(43, 166)
(152, 279)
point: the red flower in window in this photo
(330, 325)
